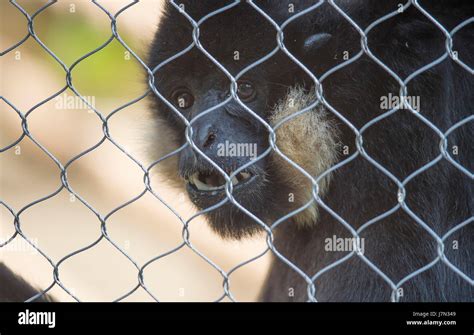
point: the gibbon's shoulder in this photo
(13, 288)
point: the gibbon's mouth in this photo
(214, 181)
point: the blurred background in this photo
(104, 177)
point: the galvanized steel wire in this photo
(310, 278)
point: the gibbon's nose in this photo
(206, 136)
(227, 139)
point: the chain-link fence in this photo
(310, 278)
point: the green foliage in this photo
(71, 36)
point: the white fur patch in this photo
(311, 141)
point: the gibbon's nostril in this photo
(211, 137)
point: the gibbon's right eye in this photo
(182, 97)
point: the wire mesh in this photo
(186, 243)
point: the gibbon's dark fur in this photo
(357, 191)
(15, 289)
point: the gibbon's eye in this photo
(182, 97)
(246, 91)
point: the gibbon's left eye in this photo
(183, 98)
(246, 91)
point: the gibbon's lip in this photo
(214, 181)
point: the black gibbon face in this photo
(229, 134)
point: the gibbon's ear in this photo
(316, 41)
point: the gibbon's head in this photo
(228, 134)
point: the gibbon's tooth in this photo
(234, 180)
(199, 184)
(245, 175)
(194, 179)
